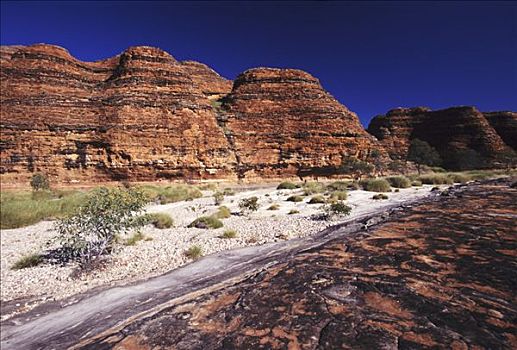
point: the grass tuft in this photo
(293, 211)
(295, 199)
(287, 185)
(229, 234)
(222, 213)
(206, 222)
(380, 196)
(27, 261)
(376, 185)
(435, 179)
(399, 181)
(160, 220)
(274, 207)
(317, 199)
(194, 252)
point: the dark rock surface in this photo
(440, 274)
(451, 131)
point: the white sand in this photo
(166, 249)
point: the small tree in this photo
(356, 167)
(218, 197)
(421, 153)
(39, 182)
(397, 166)
(92, 231)
(247, 205)
(377, 161)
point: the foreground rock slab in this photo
(440, 274)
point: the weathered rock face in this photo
(207, 79)
(505, 123)
(281, 121)
(141, 115)
(451, 131)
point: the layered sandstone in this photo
(282, 122)
(451, 131)
(141, 115)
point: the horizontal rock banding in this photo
(139, 116)
(281, 121)
(450, 130)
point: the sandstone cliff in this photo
(451, 131)
(143, 115)
(282, 122)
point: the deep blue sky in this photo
(371, 56)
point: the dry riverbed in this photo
(164, 249)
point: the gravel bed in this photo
(164, 249)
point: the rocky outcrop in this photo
(141, 115)
(505, 123)
(452, 131)
(282, 122)
(206, 79)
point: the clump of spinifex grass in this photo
(23, 208)
(376, 185)
(170, 193)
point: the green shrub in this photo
(223, 213)
(399, 181)
(337, 209)
(339, 195)
(376, 185)
(338, 186)
(26, 261)
(435, 179)
(293, 211)
(248, 205)
(274, 207)
(380, 196)
(295, 199)
(318, 199)
(218, 198)
(206, 222)
(313, 187)
(416, 183)
(136, 237)
(286, 185)
(160, 220)
(194, 252)
(229, 234)
(39, 182)
(91, 231)
(460, 178)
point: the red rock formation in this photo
(143, 115)
(451, 131)
(282, 122)
(140, 115)
(207, 79)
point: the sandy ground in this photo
(165, 248)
